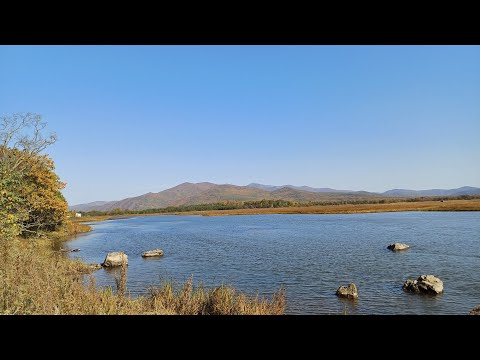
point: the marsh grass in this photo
(34, 279)
(451, 205)
(222, 300)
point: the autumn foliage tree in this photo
(30, 192)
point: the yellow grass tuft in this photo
(223, 300)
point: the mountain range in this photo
(205, 192)
(465, 190)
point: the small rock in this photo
(349, 291)
(411, 285)
(115, 259)
(425, 284)
(398, 247)
(68, 250)
(152, 253)
(475, 310)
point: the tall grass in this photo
(223, 300)
(36, 280)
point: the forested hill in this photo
(206, 193)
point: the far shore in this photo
(447, 205)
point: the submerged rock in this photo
(153, 253)
(69, 250)
(475, 310)
(115, 259)
(349, 291)
(398, 247)
(425, 284)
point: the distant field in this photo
(450, 205)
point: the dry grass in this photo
(223, 300)
(68, 229)
(36, 280)
(451, 205)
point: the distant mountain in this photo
(263, 187)
(178, 195)
(465, 190)
(86, 207)
(303, 188)
(205, 192)
(401, 193)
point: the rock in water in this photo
(430, 283)
(411, 285)
(425, 284)
(475, 310)
(398, 247)
(152, 253)
(115, 259)
(349, 291)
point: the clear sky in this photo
(138, 119)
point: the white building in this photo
(78, 215)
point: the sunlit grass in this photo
(34, 279)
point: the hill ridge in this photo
(188, 193)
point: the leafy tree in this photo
(30, 197)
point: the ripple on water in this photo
(309, 255)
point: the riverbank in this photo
(36, 279)
(70, 229)
(447, 205)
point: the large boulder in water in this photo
(349, 291)
(475, 310)
(425, 284)
(398, 247)
(115, 259)
(153, 253)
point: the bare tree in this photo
(23, 133)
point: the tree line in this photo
(262, 204)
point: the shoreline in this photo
(447, 205)
(39, 280)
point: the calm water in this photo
(309, 255)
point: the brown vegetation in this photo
(70, 228)
(453, 205)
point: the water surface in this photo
(308, 255)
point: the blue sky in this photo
(135, 119)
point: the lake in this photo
(309, 255)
